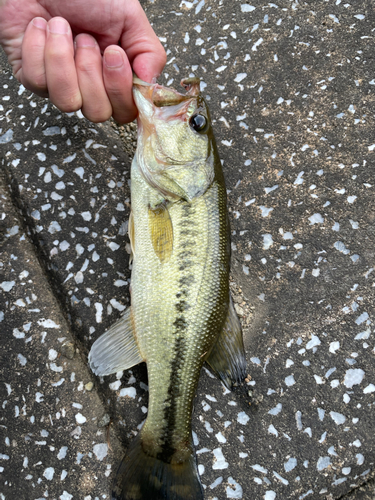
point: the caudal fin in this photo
(141, 477)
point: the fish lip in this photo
(161, 96)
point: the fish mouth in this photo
(161, 96)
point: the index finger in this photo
(143, 48)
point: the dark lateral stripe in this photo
(186, 280)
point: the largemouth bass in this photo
(181, 313)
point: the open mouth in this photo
(161, 96)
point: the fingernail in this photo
(113, 59)
(39, 22)
(85, 41)
(58, 26)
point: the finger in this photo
(95, 102)
(61, 72)
(143, 48)
(118, 81)
(32, 73)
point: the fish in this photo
(181, 314)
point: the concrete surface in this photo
(290, 87)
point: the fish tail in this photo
(141, 477)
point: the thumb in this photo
(149, 65)
(143, 48)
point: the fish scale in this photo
(200, 280)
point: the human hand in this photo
(81, 53)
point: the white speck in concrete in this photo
(247, 8)
(234, 490)
(48, 473)
(338, 418)
(240, 77)
(353, 377)
(316, 219)
(100, 450)
(299, 179)
(299, 420)
(267, 241)
(79, 171)
(242, 418)
(7, 285)
(360, 458)
(270, 495)
(265, 211)
(52, 354)
(99, 311)
(70, 158)
(217, 481)
(86, 216)
(22, 359)
(130, 392)
(117, 305)
(289, 381)
(219, 462)
(339, 245)
(313, 342)
(80, 419)
(219, 436)
(51, 131)
(273, 430)
(41, 156)
(276, 410)
(259, 468)
(362, 318)
(115, 386)
(334, 346)
(65, 496)
(323, 463)
(256, 44)
(62, 452)
(290, 464)
(113, 246)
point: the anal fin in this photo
(227, 357)
(116, 349)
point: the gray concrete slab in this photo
(52, 441)
(290, 88)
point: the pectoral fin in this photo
(161, 231)
(116, 349)
(131, 236)
(227, 357)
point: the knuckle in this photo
(115, 92)
(85, 66)
(58, 53)
(163, 58)
(68, 104)
(36, 84)
(40, 82)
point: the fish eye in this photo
(198, 123)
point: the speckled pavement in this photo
(291, 93)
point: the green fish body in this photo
(181, 314)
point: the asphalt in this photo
(290, 87)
